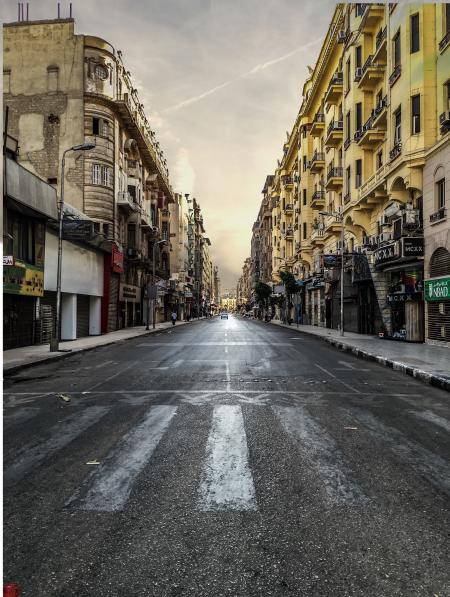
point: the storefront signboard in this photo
(129, 293)
(78, 229)
(437, 289)
(8, 260)
(412, 246)
(386, 253)
(116, 259)
(24, 279)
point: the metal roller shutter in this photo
(439, 312)
(83, 303)
(113, 302)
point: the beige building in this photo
(373, 113)
(64, 89)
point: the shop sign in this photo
(116, 259)
(437, 289)
(188, 294)
(129, 293)
(412, 246)
(78, 229)
(24, 279)
(8, 260)
(386, 253)
(402, 297)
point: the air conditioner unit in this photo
(358, 72)
(341, 36)
(411, 217)
(444, 118)
(133, 253)
(385, 237)
(397, 228)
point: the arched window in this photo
(440, 263)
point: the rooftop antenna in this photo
(59, 10)
(27, 10)
(70, 10)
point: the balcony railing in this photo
(395, 151)
(287, 180)
(444, 41)
(126, 201)
(381, 36)
(395, 74)
(335, 125)
(318, 195)
(289, 207)
(319, 117)
(438, 215)
(317, 157)
(336, 172)
(347, 197)
(317, 124)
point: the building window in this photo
(358, 57)
(396, 51)
(415, 32)
(398, 126)
(96, 174)
(304, 196)
(440, 193)
(20, 238)
(106, 230)
(348, 180)
(304, 163)
(52, 79)
(415, 114)
(358, 116)
(131, 235)
(347, 77)
(358, 173)
(95, 126)
(6, 81)
(347, 126)
(101, 72)
(305, 230)
(105, 128)
(447, 95)
(379, 159)
(106, 176)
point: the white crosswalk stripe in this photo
(228, 482)
(110, 484)
(60, 435)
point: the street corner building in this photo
(60, 90)
(364, 177)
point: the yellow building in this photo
(369, 118)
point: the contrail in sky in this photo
(255, 69)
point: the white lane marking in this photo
(103, 364)
(111, 482)
(28, 396)
(100, 383)
(226, 349)
(430, 417)
(168, 344)
(431, 466)
(227, 483)
(322, 452)
(348, 366)
(227, 365)
(33, 454)
(337, 379)
(177, 363)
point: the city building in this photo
(63, 89)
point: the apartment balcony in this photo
(438, 216)
(379, 114)
(146, 218)
(380, 54)
(317, 163)
(287, 181)
(318, 125)
(335, 133)
(334, 179)
(372, 17)
(318, 199)
(289, 209)
(318, 237)
(395, 75)
(288, 234)
(332, 225)
(165, 215)
(445, 41)
(369, 135)
(126, 202)
(395, 151)
(335, 89)
(371, 74)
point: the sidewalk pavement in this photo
(27, 356)
(426, 362)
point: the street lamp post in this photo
(153, 310)
(340, 217)
(54, 341)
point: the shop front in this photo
(130, 306)
(402, 261)
(437, 295)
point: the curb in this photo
(428, 378)
(64, 355)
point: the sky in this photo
(221, 84)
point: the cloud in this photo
(183, 172)
(256, 69)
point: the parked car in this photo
(224, 315)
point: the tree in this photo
(263, 292)
(290, 284)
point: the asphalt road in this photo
(225, 458)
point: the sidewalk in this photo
(27, 356)
(426, 362)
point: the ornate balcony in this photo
(318, 199)
(317, 237)
(440, 214)
(372, 16)
(288, 234)
(317, 162)
(287, 181)
(334, 178)
(146, 217)
(379, 114)
(371, 74)
(335, 133)
(395, 75)
(334, 91)
(369, 135)
(380, 54)
(395, 151)
(318, 124)
(445, 41)
(289, 209)
(126, 202)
